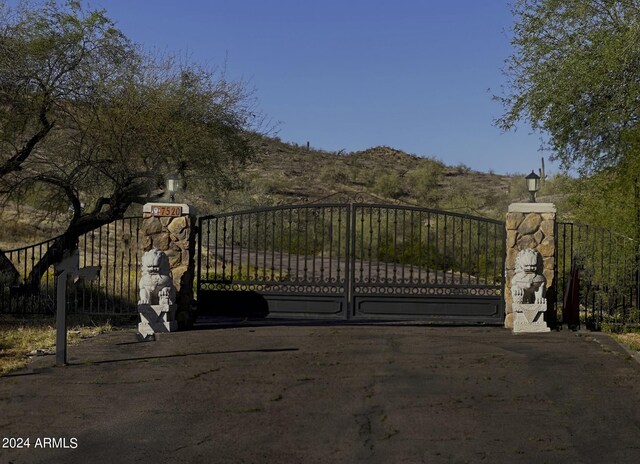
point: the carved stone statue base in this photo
(529, 318)
(157, 318)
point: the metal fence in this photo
(114, 247)
(605, 272)
(336, 249)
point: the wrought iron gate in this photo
(604, 267)
(351, 261)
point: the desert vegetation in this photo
(23, 338)
(286, 173)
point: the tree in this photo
(590, 201)
(87, 118)
(575, 76)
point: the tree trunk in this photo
(9, 275)
(53, 255)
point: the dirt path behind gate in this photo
(375, 393)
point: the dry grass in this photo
(20, 337)
(25, 225)
(630, 340)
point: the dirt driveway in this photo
(329, 393)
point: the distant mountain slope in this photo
(289, 173)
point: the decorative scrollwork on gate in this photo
(294, 289)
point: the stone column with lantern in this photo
(530, 226)
(171, 228)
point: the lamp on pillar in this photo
(533, 185)
(173, 186)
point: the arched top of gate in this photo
(353, 207)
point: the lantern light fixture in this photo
(173, 186)
(533, 185)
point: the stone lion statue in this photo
(528, 285)
(156, 284)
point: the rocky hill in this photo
(288, 173)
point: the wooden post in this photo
(67, 268)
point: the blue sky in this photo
(352, 74)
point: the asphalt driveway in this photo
(328, 393)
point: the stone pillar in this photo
(171, 228)
(530, 225)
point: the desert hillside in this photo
(289, 173)
(285, 173)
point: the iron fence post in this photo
(350, 261)
(199, 270)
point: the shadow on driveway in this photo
(330, 392)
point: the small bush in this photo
(462, 169)
(333, 174)
(389, 185)
(424, 182)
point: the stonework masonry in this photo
(175, 236)
(529, 225)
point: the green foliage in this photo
(420, 253)
(389, 185)
(424, 182)
(574, 75)
(335, 175)
(368, 176)
(461, 195)
(108, 121)
(608, 199)
(518, 189)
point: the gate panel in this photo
(421, 263)
(352, 261)
(280, 261)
